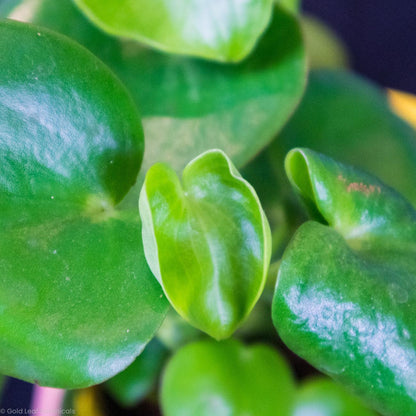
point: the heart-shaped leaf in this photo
(345, 298)
(77, 300)
(208, 378)
(206, 240)
(237, 108)
(225, 30)
(322, 397)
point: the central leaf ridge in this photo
(206, 240)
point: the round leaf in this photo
(208, 378)
(225, 30)
(322, 397)
(345, 297)
(77, 300)
(188, 105)
(206, 240)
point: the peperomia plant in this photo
(96, 247)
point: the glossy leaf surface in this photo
(77, 300)
(137, 381)
(322, 397)
(206, 240)
(225, 30)
(223, 379)
(349, 119)
(345, 297)
(187, 105)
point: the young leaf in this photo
(321, 396)
(224, 31)
(206, 240)
(345, 297)
(77, 300)
(238, 108)
(208, 378)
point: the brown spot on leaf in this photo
(363, 188)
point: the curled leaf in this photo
(225, 30)
(206, 240)
(345, 297)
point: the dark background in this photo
(380, 36)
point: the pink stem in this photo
(47, 401)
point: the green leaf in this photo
(209, 378)
(345, 297)
(224, 31)
(322, 397)
(206, 240)
(77, 300)
(349, 119)
(138, 380)
(188, 105)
